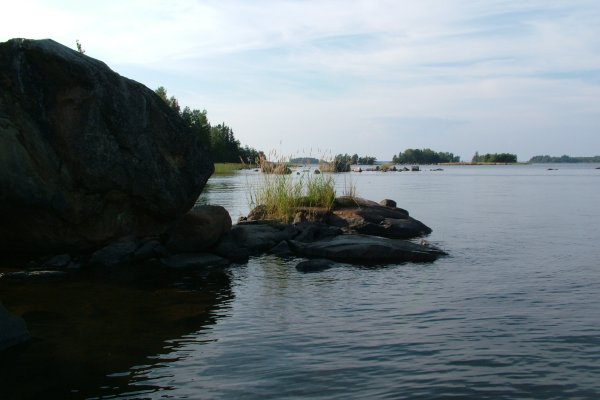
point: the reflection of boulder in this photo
(87, 155)
(84, 330)
(12, 329)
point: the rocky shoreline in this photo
(99, 177)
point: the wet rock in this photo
(361, 249)
(86, 155)
(194, 260)
(199, 229)
(12, 329)
(316, 265)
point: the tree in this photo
(342, 162)
(220, 139)
(171, 101)
(79, 47)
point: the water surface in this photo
(511, 313)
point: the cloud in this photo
(453, 75)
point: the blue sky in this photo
(372, 77)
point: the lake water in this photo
(511, 313)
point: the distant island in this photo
(563, 159)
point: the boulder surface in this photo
(86, 155)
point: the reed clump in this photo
(281, 193)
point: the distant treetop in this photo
(563, 159)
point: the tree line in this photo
(494, 158)
(424, 156)
(220, 138)
(563, 159)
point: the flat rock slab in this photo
(361, 249)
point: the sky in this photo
(372, 77)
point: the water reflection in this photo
(88, 332)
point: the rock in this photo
(12, 329)
(253, 238)
(361, 249)
(281, 250)
(310, 214)
(388, 203)
(87, 156)
(316, 265)
(370, 218)
(57, 262)
(317, 172)
(194, 260)
(117, 253)
(313, 231)
(199, 229)
(150, 249)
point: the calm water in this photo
(511, 313)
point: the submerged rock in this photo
(316, 265)
(86, 155)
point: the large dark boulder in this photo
(86, 155)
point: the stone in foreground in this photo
(361, 249)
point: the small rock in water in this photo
(388, 203)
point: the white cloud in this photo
(518, 75)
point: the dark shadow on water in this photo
(89, 331)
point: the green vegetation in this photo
(79, 47)
(228, 168)
(563, 159)
(364, 160)
(424, 156)
(494, 158)
(221, 141)
(305, 160)
(342, 162)
(281, 195)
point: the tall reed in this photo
(282, 193)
